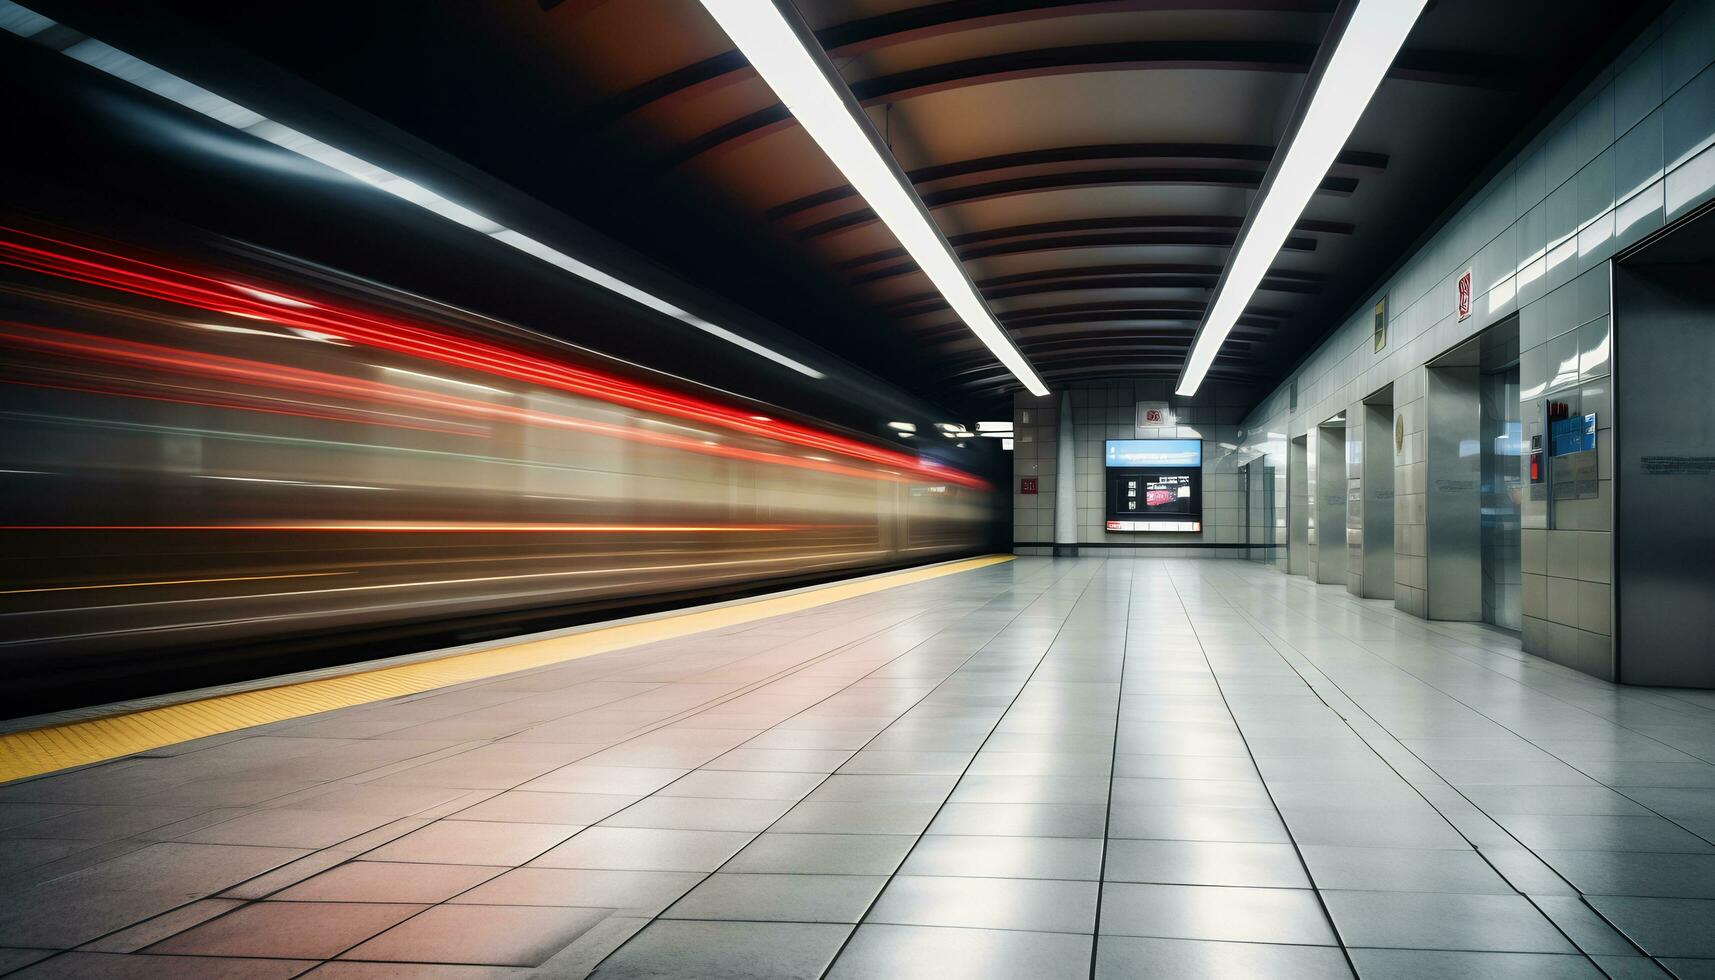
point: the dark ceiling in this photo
(1090, 161)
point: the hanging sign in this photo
(1465, 294)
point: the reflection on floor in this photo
(1038, 769)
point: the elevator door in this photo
(1502, 482)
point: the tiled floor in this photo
(1076, 768)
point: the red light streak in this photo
(248, 407)
(448, 527)
(205, 293)
(112, 350)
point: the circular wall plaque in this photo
(1398, 434)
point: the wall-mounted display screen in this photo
(1154, 452)
(1154, 484)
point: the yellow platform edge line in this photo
(45, 750)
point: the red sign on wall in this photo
(1465, 294)
(1027, 484)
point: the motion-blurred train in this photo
(228, 460)
(194, 459)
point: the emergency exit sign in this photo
(1027, 484)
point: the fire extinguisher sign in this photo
(1465, 294)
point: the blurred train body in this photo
(257, 416)
(196, 463)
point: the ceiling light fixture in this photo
(1366, 48)
(28, 24)
(792, 62)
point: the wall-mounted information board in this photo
(1154, 484)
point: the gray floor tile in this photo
(1251, 915)
(1572, 832)
(1202, 876)
(1423, 964)
(1637, 874)
(846, 788)
(1020, 820)
(724, 784)
(499, 935)
(1127, 957)
(473, 842)
(988, 903)
(1552, 799)
(692, 813)
(1042, 763)
(1175, 862)
(566, 809)
(814, 817)
(127, 889)
(114, 966)
(1032, 789)
(1191, 792)
(1402, 870)
(21, 853)
(1416, 920)
(628, 892)
(1420, 827)
(288, 827)
(303, 930)
(725, 951)
(1210, 823)
(907, 763)
(782, 760)
(99, 823)
(923, 953)
(848, 854)
(779, 898)
(1645, 968)
(640, 849)
(1662, 926)
(609, 780)
(17, 959)
(1006, 857)
(372, 881)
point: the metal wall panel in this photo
(1664, 527)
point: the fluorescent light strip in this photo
(1367, 47)
(762, 34)
(96, 54)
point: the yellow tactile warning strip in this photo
(31, 753)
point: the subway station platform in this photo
(1034, 768)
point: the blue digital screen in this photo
(1154, 452)
(1573, 435)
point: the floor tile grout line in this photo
(1314, 589)
(1046, 650)
(1113, 764)
(1499, 724)
(1620, 791)
(1268, 635)
(357, 857)
(779, 675)
(926, 694)
(1297, 849)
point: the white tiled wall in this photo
(1632, 152)
(1108, 410)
